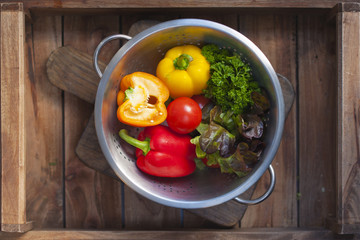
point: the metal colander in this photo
(203, 188)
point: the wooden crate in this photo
(315, 44)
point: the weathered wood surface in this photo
(92, 200)
(275, 36)
(78, 62)
(347, 217)
(242, 234)
(110, 4)
(317, 119)
(285, 200)
(44, 144)
(13, 127)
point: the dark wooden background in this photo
(63, 193)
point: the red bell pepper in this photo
(162, 152)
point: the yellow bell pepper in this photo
(141, 100)
(184, 70)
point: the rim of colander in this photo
(272, 148)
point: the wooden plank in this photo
(134, 23)
(228, 214)
(13, 138)
(274, 35)
(347, 217)
(90, 153)
(347, 7)
(74, 62)
(343, 7)
(242, 234)
(92, 199)
(317, 121)
(44, 148)
(109, 4)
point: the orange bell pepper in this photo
(141, 100)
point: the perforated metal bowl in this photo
(142, 53)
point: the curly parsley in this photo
(231, 82)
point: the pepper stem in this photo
(143, 145)
(182, 62)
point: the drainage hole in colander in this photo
(114, 135)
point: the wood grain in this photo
(242, 234)
(13, 138)
(90, 153)
(275, 36)
(228, 214)
(77, 65)
(133, 24)
(317, 121)
(92, 4)
(309, 41)
(44, 120)
(93, 200)
(348, 123)
(315, 41)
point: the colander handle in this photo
(101, 44)
(266, 194)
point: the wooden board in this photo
(275, 36)
(347, 217)
(44, 151)
(92, 200)
(242, 234)
(317, 122)
(263, 27)
(74, 59)
(13, 138)
(111, 4)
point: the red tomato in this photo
(201, 100)
(183, 115)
